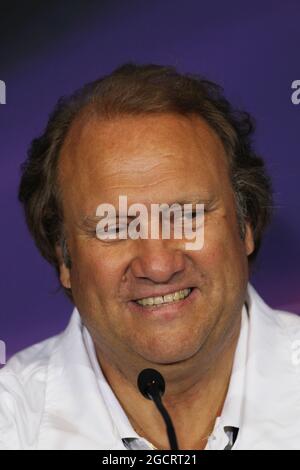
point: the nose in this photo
(157, 260)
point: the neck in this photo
(193, 400)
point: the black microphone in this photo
(151, 384)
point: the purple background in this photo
(251, 48)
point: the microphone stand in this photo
(152, 386)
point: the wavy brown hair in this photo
(136, 90)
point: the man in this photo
(157, 137)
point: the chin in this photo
(168, 356)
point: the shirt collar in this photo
(118, 415)
(228, 424)
(232, 408)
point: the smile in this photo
(165, 299)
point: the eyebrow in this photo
(88, 221)
(195, 200)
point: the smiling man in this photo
(157, 137)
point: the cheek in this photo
(223, 248)
(94, 270)
(211, 258)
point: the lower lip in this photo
(165, 311)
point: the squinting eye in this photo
(121, 228)
(111, 231)
(117, 229)
(192, 215)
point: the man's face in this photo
(152, 159)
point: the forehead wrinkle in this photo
(151, 172)
(128, 172)
(141, 185)
(144, 186)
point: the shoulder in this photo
(272, 371)
(274, 348)
(280, 320)
(274, 351)
(22, 393)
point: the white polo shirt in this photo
(54, 396)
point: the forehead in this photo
(150, 158)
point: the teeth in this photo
(175, 296)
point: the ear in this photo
(64, 271)
(249, 240)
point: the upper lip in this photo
(160, 292)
